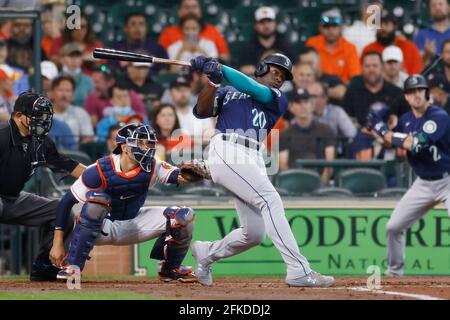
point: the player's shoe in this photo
(313, 279)
(43, 271)
(202, 270)
(183, 274)
(66, 272)
(389, 273)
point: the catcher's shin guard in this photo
(178, 237)
(89, 226)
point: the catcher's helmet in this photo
(141, 141)
(277, 59)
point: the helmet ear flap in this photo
(261, 69)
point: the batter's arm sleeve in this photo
(247, 85)
(63, 210)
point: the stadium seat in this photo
(391, 193)
(298, 181)
(333, 193)
(362, 182)
(205, 191)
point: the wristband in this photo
(398, 139)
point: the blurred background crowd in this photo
(343, 68)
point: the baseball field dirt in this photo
(225, 288)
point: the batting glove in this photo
(198, 63)
(212, 69)
(375, 123)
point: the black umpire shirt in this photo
(15, 159)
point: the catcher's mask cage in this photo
(142, 145)
(40, 117)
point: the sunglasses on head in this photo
(331, 20)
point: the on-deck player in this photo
(113, 192)
(424, 132)
(248, 109)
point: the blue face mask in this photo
(71, 73)
(123, 111)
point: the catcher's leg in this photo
(86, 231)
(174, 247)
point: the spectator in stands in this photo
(386, 36)
(439, 91)
(192, 44)
(137, 78)
(111, 141)
(49, 72)
(333, 116)
(21, 83)
(71, 61)
(63, 136)
(63, 89)
(174, 33)
(167, 126)
(86, 40)
(137, 40)
(116, 113)
(180, 92)
(104, 78)
(20, 45)
(366, 91)
(393, 66)
(7, 97)
(336, 87)
(303, 75)
(52, 26)
(444, 69)
(5, 29)
(265, 39)
(360, 32)
(337, 55)
(306, 138)
(430, 39)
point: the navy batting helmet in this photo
(276, 59)
(416, 81)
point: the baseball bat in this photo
(433, 65)
(111, 54)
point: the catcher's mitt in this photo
(195, 170)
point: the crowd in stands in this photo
(340, 74)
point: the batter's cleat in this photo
(183, 274)
(313, 279)
(43, 271)
(202, 270)
(66, 273)
(389, 273)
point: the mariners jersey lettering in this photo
(239, 112)
(434, 159)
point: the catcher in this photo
(113, 191)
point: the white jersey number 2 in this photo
(434, 151)
(259, 119)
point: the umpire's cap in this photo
(416, 81)
(25, 103)
(279, 60)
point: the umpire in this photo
(24, 146)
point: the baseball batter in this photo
(246, 111)
(113, 191)
(424, 133)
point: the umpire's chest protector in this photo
(128, 190)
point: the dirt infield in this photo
(422, 288)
